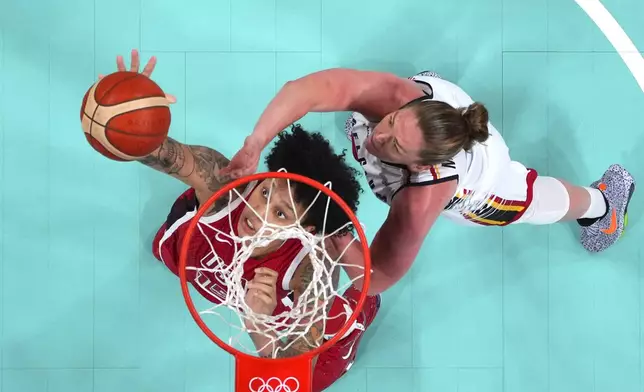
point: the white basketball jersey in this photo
(476, 170)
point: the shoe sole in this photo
(630, 196)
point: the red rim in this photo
(239, 355)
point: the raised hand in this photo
(135, 62)
(245, 161)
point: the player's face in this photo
(397, 138)
(279, 210)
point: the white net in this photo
(226, 264)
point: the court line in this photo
(616, 36)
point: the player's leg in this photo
(601, 209)
(335, 362)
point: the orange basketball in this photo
(125, 116)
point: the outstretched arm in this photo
(374, 94)
(396, 245)
(196, 166)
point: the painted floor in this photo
(86, 307)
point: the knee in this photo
(550, 202)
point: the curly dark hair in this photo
(311, 155)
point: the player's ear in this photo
(310, 229)
(416, 167)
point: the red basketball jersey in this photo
(337, 360)
(331, 364)
(209, 246)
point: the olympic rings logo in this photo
(274, 384)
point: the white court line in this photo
(616, 36)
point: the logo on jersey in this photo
(217, 290)
(274, 384)
(384, 178)
(355, 148)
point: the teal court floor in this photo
(86, 307)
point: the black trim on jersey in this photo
(429, 95)
(433, 182)
(407, 174)
(398, 190)
(409, 183)
(419, 99)
(424, 183)
(424, 96)
(186, 203)
(398, 165)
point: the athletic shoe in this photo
(617, 186)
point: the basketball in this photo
(125, 116)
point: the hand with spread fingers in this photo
(245, 161)
(135, 62)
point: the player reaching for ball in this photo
(279, 272)
(428, 149)
(126, 115)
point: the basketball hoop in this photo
(261, 374)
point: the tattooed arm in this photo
(314, 337)
(270, 346)
(196, 166)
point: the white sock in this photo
(597, 204)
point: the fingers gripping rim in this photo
(244, 361)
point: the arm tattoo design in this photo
(207, 164)
(169, 159)
(307, 275)
(197, 166)
(314, 336)
(183, 161)
(308, 342)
